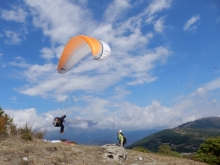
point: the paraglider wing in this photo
(77, 48)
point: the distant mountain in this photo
(184, 138)
(95, 136)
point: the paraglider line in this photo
(101, 52)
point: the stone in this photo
(113, 152)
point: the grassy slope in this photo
(184, 138)
(39, 152)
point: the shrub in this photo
(26, 132)
(39, 134)
(141, 149)
(13, 129)
(26, 136)
(5, 122)
(164, 149)
(209, 151)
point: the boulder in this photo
(113, 152)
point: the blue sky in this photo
(164, 68)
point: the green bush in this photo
(209, 151)
(141, 149)
(26, 132)
(164, 149)
(26, 136)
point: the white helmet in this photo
(120, 131)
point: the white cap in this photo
(120, 131)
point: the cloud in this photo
(111, 113)
(190, 24)
(19, 62)
(30, 117)
(12, 37)
(46, 82)
(17, 15)
(119, 7)
(159, 25)
(130, 57)
(157, 6)
(206, 88)
(45, 14)
(201, 92)
(47, 53)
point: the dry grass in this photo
(39, 152)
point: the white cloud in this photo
(119, 7)
(47, 53)
(159, 25)
(19, 62)
(46, 82)
(13, 37)
(125, 38)
(215, 84)
(17, 14)
(157, 6)
(111, 113)
(190, 24)
(201, 92)
(74, 20)
(206, 88)
(114, 112)
(30, 116)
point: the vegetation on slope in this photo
(209, 151)
(184, 138)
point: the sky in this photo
(163, 70)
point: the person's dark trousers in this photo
(62, 128)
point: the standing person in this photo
(58, 122)
(121, 139)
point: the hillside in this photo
(39, 152)
(184, 138)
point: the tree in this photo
(5, 122)
(209, 151)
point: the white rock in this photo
(113, 152)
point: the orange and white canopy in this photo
(77, 48)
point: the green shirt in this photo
(120, 137)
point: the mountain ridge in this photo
(186, 137)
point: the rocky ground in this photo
(15, 151)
